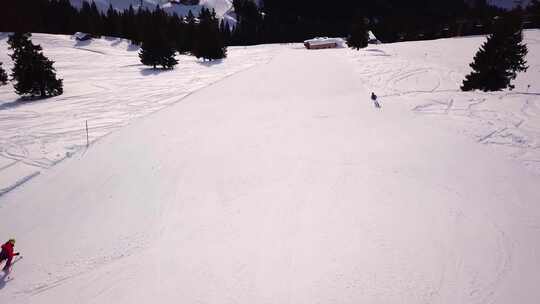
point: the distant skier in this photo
(375, 101)
(8, 253)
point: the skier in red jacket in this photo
(8, 253)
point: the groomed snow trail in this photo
(281, 184)
(105, 85)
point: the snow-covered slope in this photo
(426, 76)
(106, 85)
(283, 184)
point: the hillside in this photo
(106, 85)
(278, 184)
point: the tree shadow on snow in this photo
(377, 52)
(20, 102)
(152, 71)
(210, 63)
(130, 46)
(133, 47)
(116, 42)
(79, 43)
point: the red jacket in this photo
(7, 249)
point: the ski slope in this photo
(104, 84)
(283, 184)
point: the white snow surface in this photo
(279, 184)
(104, 84)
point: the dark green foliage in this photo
(190, 33)
(358, 39)
(500, 58)
(156, 49)
(176, 32)
(534, 11)
(225, 30)
(249, 26)
(3, 75)
(112, 23)
(33, 73)
(90, 20)
(274, 21)
(209, 42)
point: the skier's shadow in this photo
(3, 280)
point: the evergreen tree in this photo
(3, 75)
(534, 10)
(112, 23)
(225, 30)
(129, 25)
(176, 32)
(209, 42)
(359, 37)
(249, 22)
(191, 28)
(156, 49)
(33, 73)
(499, 59)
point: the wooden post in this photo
(87, 138)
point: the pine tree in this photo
(225, 30)
(33, 73)
(359, 36)
(3, 75)
(191, 28)
(129, 25)
(534, 10)
(209, 41)
(176, 33)
(500, 58)
(249, 22)
(156, 49)
(112, 23)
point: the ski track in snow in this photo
(427, 76)
(105, 84)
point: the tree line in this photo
(279, 21)
(161, 35)
(273, 21)
(496, 63)
(181, 33)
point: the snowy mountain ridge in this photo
(222, 7)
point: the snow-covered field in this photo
(106, 85)
(426, 77)
(278, 184)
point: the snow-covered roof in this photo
(82, 36)
(372, 36)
